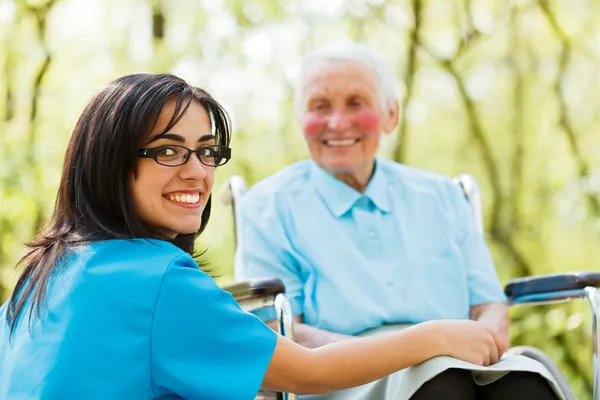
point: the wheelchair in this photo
(534, 290)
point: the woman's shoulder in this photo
(151, 255)
(406, 173)
(126, 271)
(146, 246)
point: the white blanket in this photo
(403, 384)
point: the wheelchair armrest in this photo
(255, 288)
(551, 283)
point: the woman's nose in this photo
(338, 121)
(193, 169)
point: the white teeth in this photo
(340, 142)
(185, 198)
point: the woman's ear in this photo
(391, 118)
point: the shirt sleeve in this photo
(264, 250)
(203, 345)
(484, 285)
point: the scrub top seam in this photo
(154, 317)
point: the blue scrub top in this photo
(134, 319)
(405, 251)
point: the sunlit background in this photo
(508, 91)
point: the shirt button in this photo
(362, 202)
(371, 234)
(389, 283)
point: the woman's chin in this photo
(188, 229)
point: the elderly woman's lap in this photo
(458, 384)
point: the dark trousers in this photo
(457, 384)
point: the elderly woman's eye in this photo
(319, 106)
(356, 103)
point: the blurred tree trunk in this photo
(158, 22)
(564, 122)
(162, 60)
(400, 153)
(8, 115)
(517, 162)
(40, 14)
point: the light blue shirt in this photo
(405, 251)
(134, 320)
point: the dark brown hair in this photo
(94, 200)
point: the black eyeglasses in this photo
(174, 155)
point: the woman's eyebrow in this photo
(206, 138)
(170, 136)
(179, 138)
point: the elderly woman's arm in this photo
(311, 337)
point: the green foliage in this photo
(507, 91)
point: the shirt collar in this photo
(378, 189)
(340, 197)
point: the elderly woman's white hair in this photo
(355, 53)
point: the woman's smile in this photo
(185, 198)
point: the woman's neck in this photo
(357, 179)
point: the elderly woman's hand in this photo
(495, 316)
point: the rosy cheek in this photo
(368, 121)
(313, 124)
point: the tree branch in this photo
(9, 96)
(478, 135)
(497, 230)
(40, 14)
(158, 21)
(564, 122)
(401, 147)
(517, 158)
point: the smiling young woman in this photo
(112, 305)
(171, 187)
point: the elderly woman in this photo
(364, 244)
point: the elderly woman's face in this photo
(344, 117)
(170, 200)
